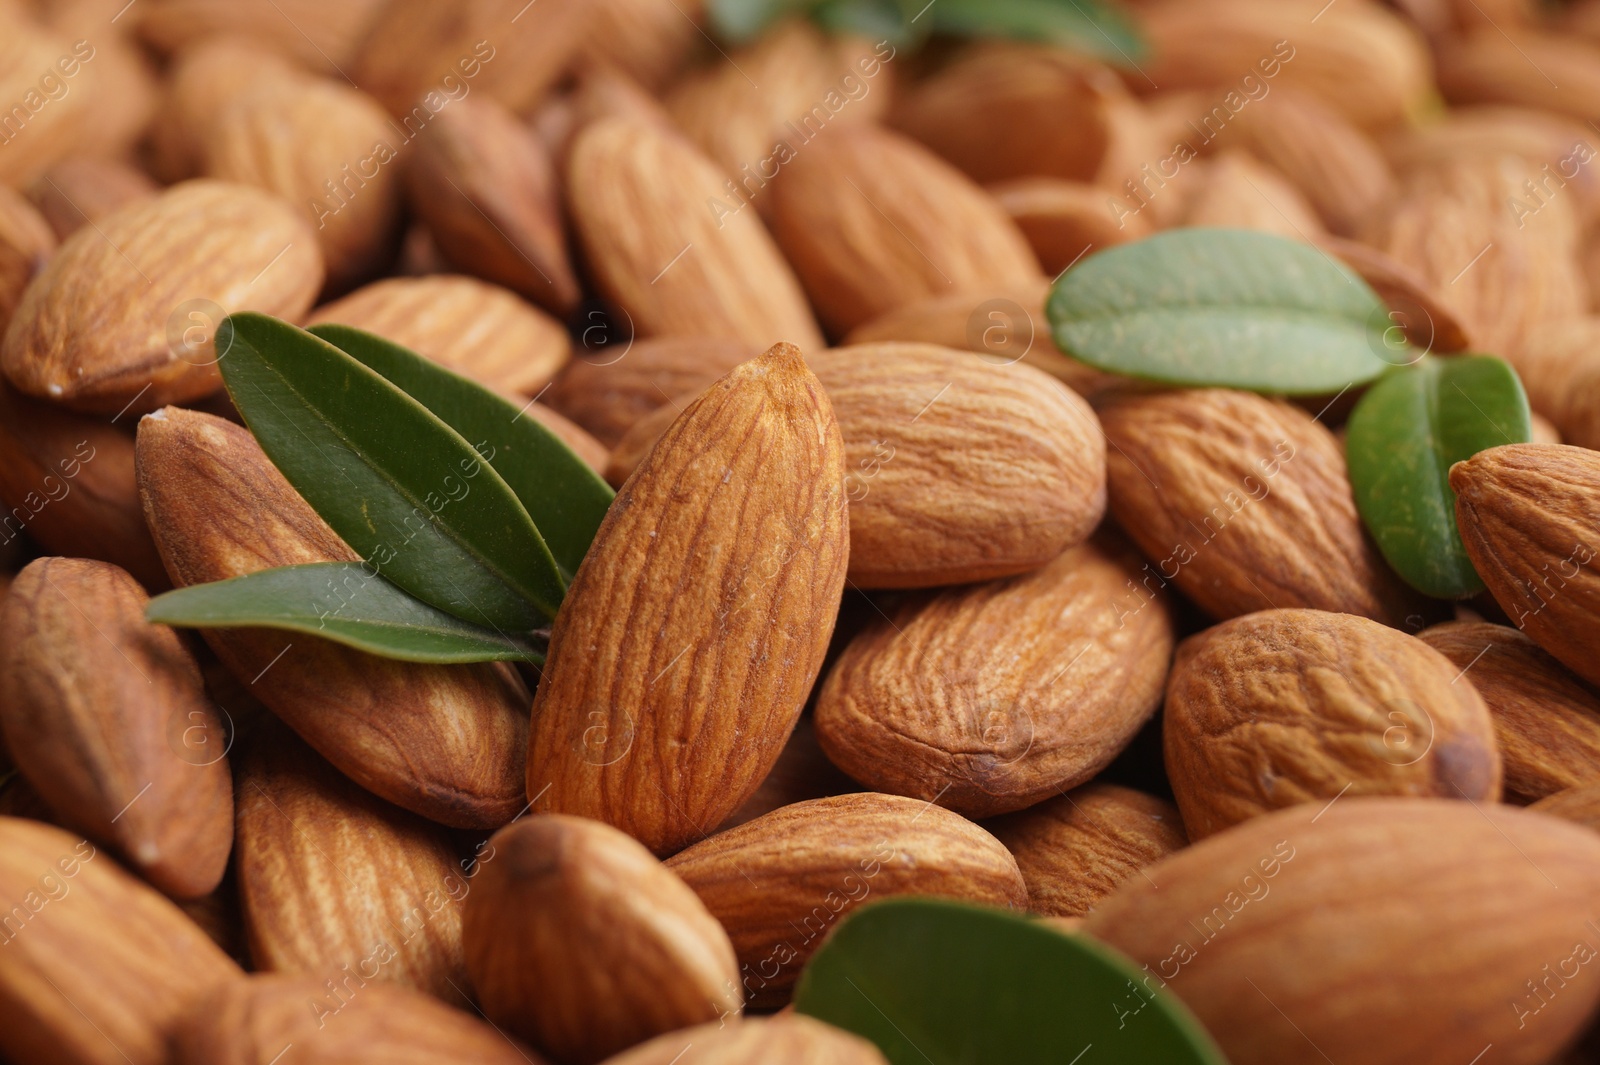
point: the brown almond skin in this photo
(1528, 514)
(1413, 301)
(479, 330)
(96, 968)
(1076, 848)
(729, 547)
(1559, 365)
(1244, 503)
(85, 189)
(1580, 805)
(641, 196)
(96, 704)
(322, 37)
(581, 942)
(445, 742)
(254, 1021)
(26, 243)
(802, 772)
(1459, 906)
(1546, 722)
(872, 221)
(483, 184)
(339, 885)
(1292, 706)
(991, 698)
(779, 883)
(1065, 220)
(787, 1039)
(92, 330)
(203, 81)
(1232, 190)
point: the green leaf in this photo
(402, 488)
(565, 498)
(1224, 307)
(1402, 439)
(1084, 25)
(877, 20)
(343, 602)
(933, 982)
(741, 21)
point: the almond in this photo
(1065, 220)
(485, 187)
(258, 1020)
(106, 326)
(787, 1039)
(728, 544)
(663, 245)
(1243, 502)
(442, 741)
(991, 698)
(802, 772)
(649, 40)
(607, 393)
(1546, 723)
(1075, 848)
(337, 884)
(1459, 906)
(1290, 706)
(95, 705)
(95, 967)
(1414, 302)
(1580, 805)
(873, 221)
(84, 189)
(581, 942)
(1544, 71)
(41, 129)
(205, 80)
(26, 242)
(591, 451)
(320, 35)
(476, 329)
(782, 881)
(1233, 191)
(1559, 365)
(1528, 514)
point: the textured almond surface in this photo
(1076, 848)
(1293, 706)
(1413, 300)
(204, 81)
(26, 242)
(1547, 71)
(1304, 926)
(1547, 723)
(105, 715)
(96, 330)
(1528, 514)
(606, 391)
(1244, 503)
(96, 968)
(640, 199)
(1580, 805)
(84, 189)
(1559, 366)
(581, 942)
(315, 33)
(787, 1039)
(1234, 191)
(442, 741)
(781, 882)
(693, 631)
(991, 698)
(959, 468)
(477, 329)
(1065, 220)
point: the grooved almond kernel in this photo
(85, 189)
(26, 242)
(322, 36)
(1580, 805)
(1063, 221)
(205, 80)
(787, 1039)
(1559, 365)
(647, 40)
(1544, 71)
(1233, 191)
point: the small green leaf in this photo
(877, 20)
(933, 982)
(565, 498)
(1402, 439)
(343, 602)
(1224, 307)
(1083, 25)
(402, 488)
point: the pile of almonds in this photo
(894, 598)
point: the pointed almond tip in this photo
(783, 356)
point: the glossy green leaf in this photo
(1402, 439)
(402, 488)
(340, 601)
(1082, 25)
(933, 982)
(1225, 307)
(565, 498)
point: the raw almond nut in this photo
(26, 242)
(96, 968)
(476, 329)
(320, 35)
(1485, 879)
(1547, 724)
(1233, 191)
(648, 40)
(96, 705)
(445, 742)
(581, 942)
(339, 885)
(1559, 365)
(872, 221)
(729, 546)
(85, 189)
(39, 130)
(643, 203)
(591, 451)
(606, 394)
(1244, 503)
(1413, 301)
(1543, 431)
(802, 772)
(779, 883)
(205, 80)
(1065, 220)
(1076, 848)
(485, 187)
(256, 1021)
(1528, 514)
(1543, 71)
(991, 698)
(105, 326)
(1291, 706)
(1580, 805)
(601, 91)
(786, 1039)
